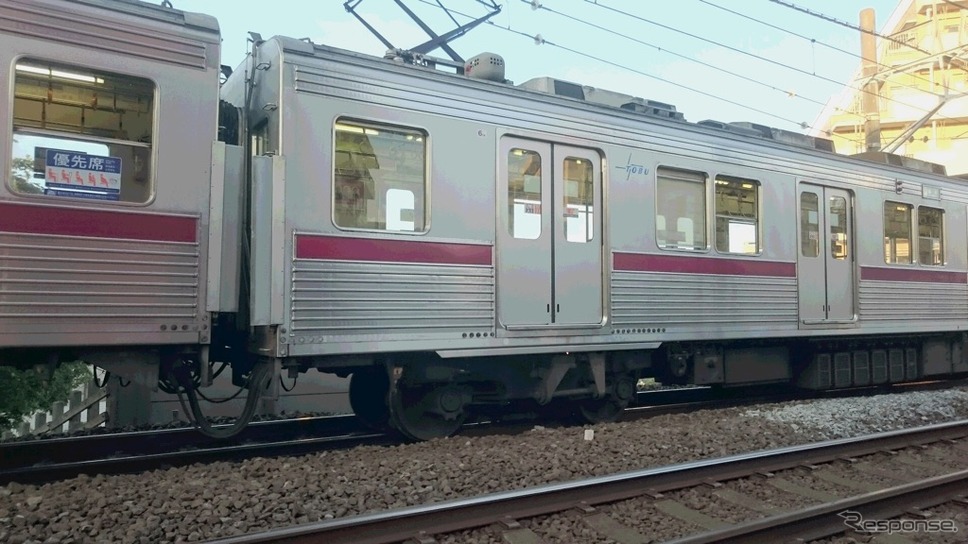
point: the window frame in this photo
(757, 221)
(814, 228)
(378, 125)
(510, 226)
(912, 248)
(944, 255)
(704, 184)
(586, 192)
(87, 138)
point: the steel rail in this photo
(49, 459)
(36, 474)
(822, 521)
(462, 514)
(63, 457)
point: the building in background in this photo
(915, 89)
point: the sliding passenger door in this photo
(578, 236)
(549, 236)
(825, 262)
(524, 233)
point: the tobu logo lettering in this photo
(633, 171)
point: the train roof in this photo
(157, 12)
(630, 107)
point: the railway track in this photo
(510, 510)
(51, 459)
(37, 461)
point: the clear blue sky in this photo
(327, 22)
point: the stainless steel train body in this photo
(105, 210)
(451, 242)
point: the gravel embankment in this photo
(222, 499)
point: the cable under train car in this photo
(454, 243)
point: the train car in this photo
(455, 243)
(112, 208)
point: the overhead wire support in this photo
(436, 40)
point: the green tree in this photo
(23, 392)
(22, 171)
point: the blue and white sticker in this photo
(70, 173)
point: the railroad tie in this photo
(961, 444)
(744, 500)
(855, 485)
(613, 530)
(683, 512)
(522, 536)
(926, 464)
(890, 538)
(875, 470)
(790, 487)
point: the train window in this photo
(680, 221)
(579, 200)
(809, 225)
(838, 227)
(379, 177)
(897, 233)
(930, 236)
(737, 215)
(81, 133)
(524, 194)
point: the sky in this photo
(645, 48)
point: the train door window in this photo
(930, 236)
(809, 225)
(524, 194)
(579, 200)
(680, 209)
(379, 177)
(897, 233)
(81, 133)
(837, 222)
(737, 215)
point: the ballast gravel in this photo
(207, 501)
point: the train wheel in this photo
(369, 388)
(427, 411)
(610, 407)
(604, 410)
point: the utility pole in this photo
(871, 95)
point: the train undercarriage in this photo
(425, 396)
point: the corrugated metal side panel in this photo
(912, 301)
(62, 280)
(78, 26)
(331, 298)
(650, 299)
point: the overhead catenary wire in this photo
(818, 42)
(537, 39)
(830, 19)
(679, 55)
(599, 4)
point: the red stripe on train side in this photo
(639, 262)
(912, 274)
(27, 219)
(339, 248)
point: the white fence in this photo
(85, 409)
